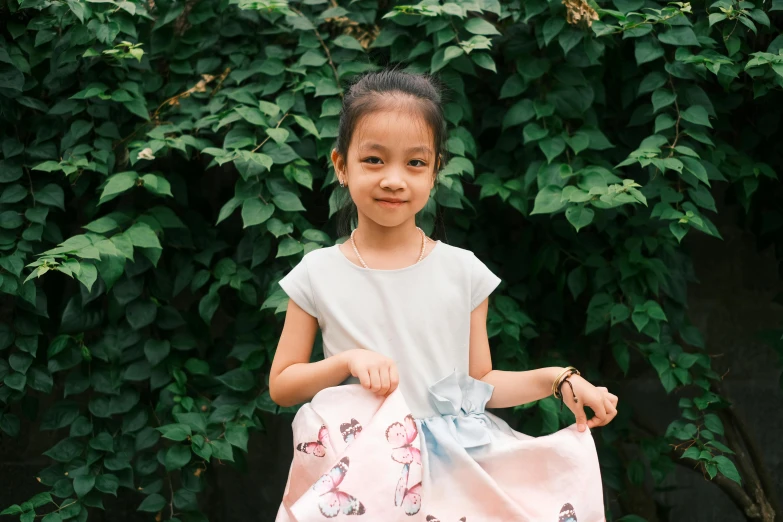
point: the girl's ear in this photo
(339, 163)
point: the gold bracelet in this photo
(556, 382)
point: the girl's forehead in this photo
(394, 129)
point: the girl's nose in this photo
(392, 179)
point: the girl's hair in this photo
(371, 92)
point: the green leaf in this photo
(221, 449)
(177, 457)
(548, 200)
(178, 432)
(197, 367)
(533, 132)
(552, 28)
(677, 230)
(480, 26)
(83, 484)
(153, 503)
(15, 381)
(288, 201)
(107, 483)
(208, 306)
(279, 135)
(66, 450)
(289, 247)
(348, 42)
(228, 208)
(519, 113)
(622, 356)
(714, 18)
(679, 35)
(713, 423)
(484, 60)
(237, 436)
(141, 235)
(51, 195)
(727, 468)
(647, 50)
(696, 114)
(156, 351)
(307, 124)
(117, 184)
(662, 98)
(552, 147)
(10, 424)
(141, 313)
(238, 379)
(443, 56)
(255, 212)
(663, 122)
(12, 510)
(695, 167)
(579, 216)
(157, 185)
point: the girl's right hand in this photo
(375, 372)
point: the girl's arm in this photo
(293, 379)
(511, 388)
(515, 388)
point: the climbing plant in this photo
(164, 163)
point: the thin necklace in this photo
(356, 251)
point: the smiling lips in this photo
(390, 202)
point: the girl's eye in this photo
(373, 160)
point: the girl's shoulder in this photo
(330, 259)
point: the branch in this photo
(733, 490)
(755, 455)
(763, 510)
(326, 50)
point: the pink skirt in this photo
(360, 455)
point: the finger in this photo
(611, 411)
(599, 419)
(579, 413)
(613, 399)
(385, 381)
(394, 378)
(375, 380)
(364, 379)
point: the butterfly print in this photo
(430, 518)
(332, 501)
(317, 448)
(350, 430)
(567, 513)
(408, 498)
(401, 435)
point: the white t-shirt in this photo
(418, 315)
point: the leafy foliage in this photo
(165, 163)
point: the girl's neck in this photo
(377, 238)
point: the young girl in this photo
(403, 323)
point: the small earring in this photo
(341, 183)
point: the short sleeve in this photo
(482, 281)
(297, 285)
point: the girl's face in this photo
(390, 168)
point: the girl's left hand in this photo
(598, 398)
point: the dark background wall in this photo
(731, 305)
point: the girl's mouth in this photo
(390, 204)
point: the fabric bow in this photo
(461, 399)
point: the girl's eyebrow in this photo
(377, 146)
